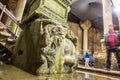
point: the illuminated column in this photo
(107, 20)
(116, 4)
(85, 26)
(107, 15)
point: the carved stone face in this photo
(58, 30)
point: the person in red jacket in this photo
(112, 42)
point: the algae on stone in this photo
(46, 45)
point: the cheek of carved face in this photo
(66, 50)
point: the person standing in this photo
(112, 42)
(87, 58)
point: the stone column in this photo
(107, 15)
(85, 26)
(107, 19)
(18, 14)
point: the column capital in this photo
(85, 25)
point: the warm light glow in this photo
(117, 9)
(117, 5)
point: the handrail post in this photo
(3, 10)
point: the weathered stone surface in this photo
(75, 28)
(94, 35)
(46, 45)
(58, 11)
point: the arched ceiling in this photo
(80, 10)
(87, 10)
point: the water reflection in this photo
(76, 76)
(11, 73)
(87, 76)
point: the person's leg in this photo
(108, 60)
(118, 58)
(86, 62)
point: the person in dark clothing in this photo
(112, 42)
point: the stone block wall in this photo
(78, 32)
(94, 37)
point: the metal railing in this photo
(10, 15)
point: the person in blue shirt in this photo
(87, 58)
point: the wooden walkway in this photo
(97, 70)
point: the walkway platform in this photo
(97, 70)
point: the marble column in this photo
(85, 26)
(107, 20)
(107, 15)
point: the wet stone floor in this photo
(8, 72)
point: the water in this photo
(77, 76)
(8, 72)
